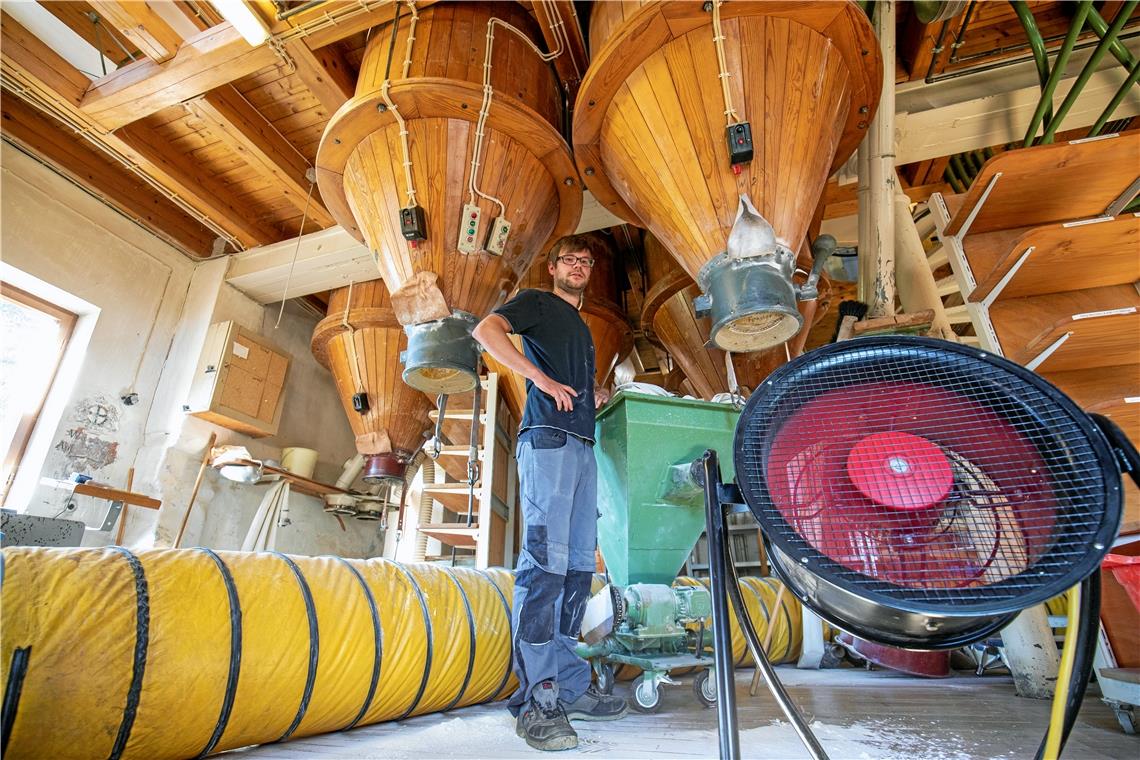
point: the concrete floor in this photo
(856, 714)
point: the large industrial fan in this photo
(917, 493)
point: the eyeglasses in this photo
(570, 261)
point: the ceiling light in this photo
(243, 19)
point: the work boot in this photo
(543, 723)
(593, 705)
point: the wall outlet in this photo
(497, 236)
(469, 229)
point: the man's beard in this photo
(564, 283)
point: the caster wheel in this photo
(605, 674)
(704, 686)
(646, 697)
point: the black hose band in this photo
(314, 646)
(378, 638)
(510, 637)
(12, 689)
(470, 638)
(235, 652)
(138, 666)
(427, 629)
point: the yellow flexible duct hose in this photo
(175, 653)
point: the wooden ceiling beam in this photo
(138, 22)
(233, 120)
(336, 20)
(32, 65)
(182, 175)
(206, 61)
(325, 72)
(83, 163)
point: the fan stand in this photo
(722, 500)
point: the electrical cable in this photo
(293, 262)
(1085, 636)
(409, 185)
(730, 114)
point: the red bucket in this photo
(1126, 570)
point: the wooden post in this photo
(123, 514)
(880, 298)
(197, 485)
(916, 286)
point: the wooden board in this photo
(452, 534)
(1084, 177)
(1027, 326)
(1062, 257)
(1111, 391)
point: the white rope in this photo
(488, 95)
(730, 114)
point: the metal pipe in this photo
(952, 178)
(1100, 28)
(727, 733)
(1058, 70)
(779, 693)
(1087, 72)
(881, 301)
(960, 37)
(1014, 61)
(1125, 86)
(1037, 45)
(961, 170)
(936, 52)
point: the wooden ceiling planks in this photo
(87, 165)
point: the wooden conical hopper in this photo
(611, 331)
(524, 162)
(361, 347)
(650, 125)
(668, 318)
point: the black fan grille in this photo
(926, 473)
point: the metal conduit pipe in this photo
(1058, 71)
(1100, 27)
(1090, 66)
(181, 653)
(1037, 45)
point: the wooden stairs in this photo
(1047, 274)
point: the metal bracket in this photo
(112, 515)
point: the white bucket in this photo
(299, 461)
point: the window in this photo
(33, 336)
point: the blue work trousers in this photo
(558, 483)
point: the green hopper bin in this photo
(651, 512)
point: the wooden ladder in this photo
(480, 537)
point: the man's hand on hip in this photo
(563, 395)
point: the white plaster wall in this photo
(156, 307)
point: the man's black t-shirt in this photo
(558, 342)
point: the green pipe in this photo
(1037, 44)
(962, 170)
(988, 153)
(1133, 77)
(972, 163)
(951, 178)
(1071, 96)
(1118, 50)
(1058, 70)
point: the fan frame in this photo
(818, 581)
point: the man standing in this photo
(558, 490)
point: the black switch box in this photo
(412, 224)
(360, 402)
(739, 143)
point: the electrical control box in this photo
(469, 229)
(497, 236)
(413, 226)
(239, 382)
(739, 143)
(360, 402)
